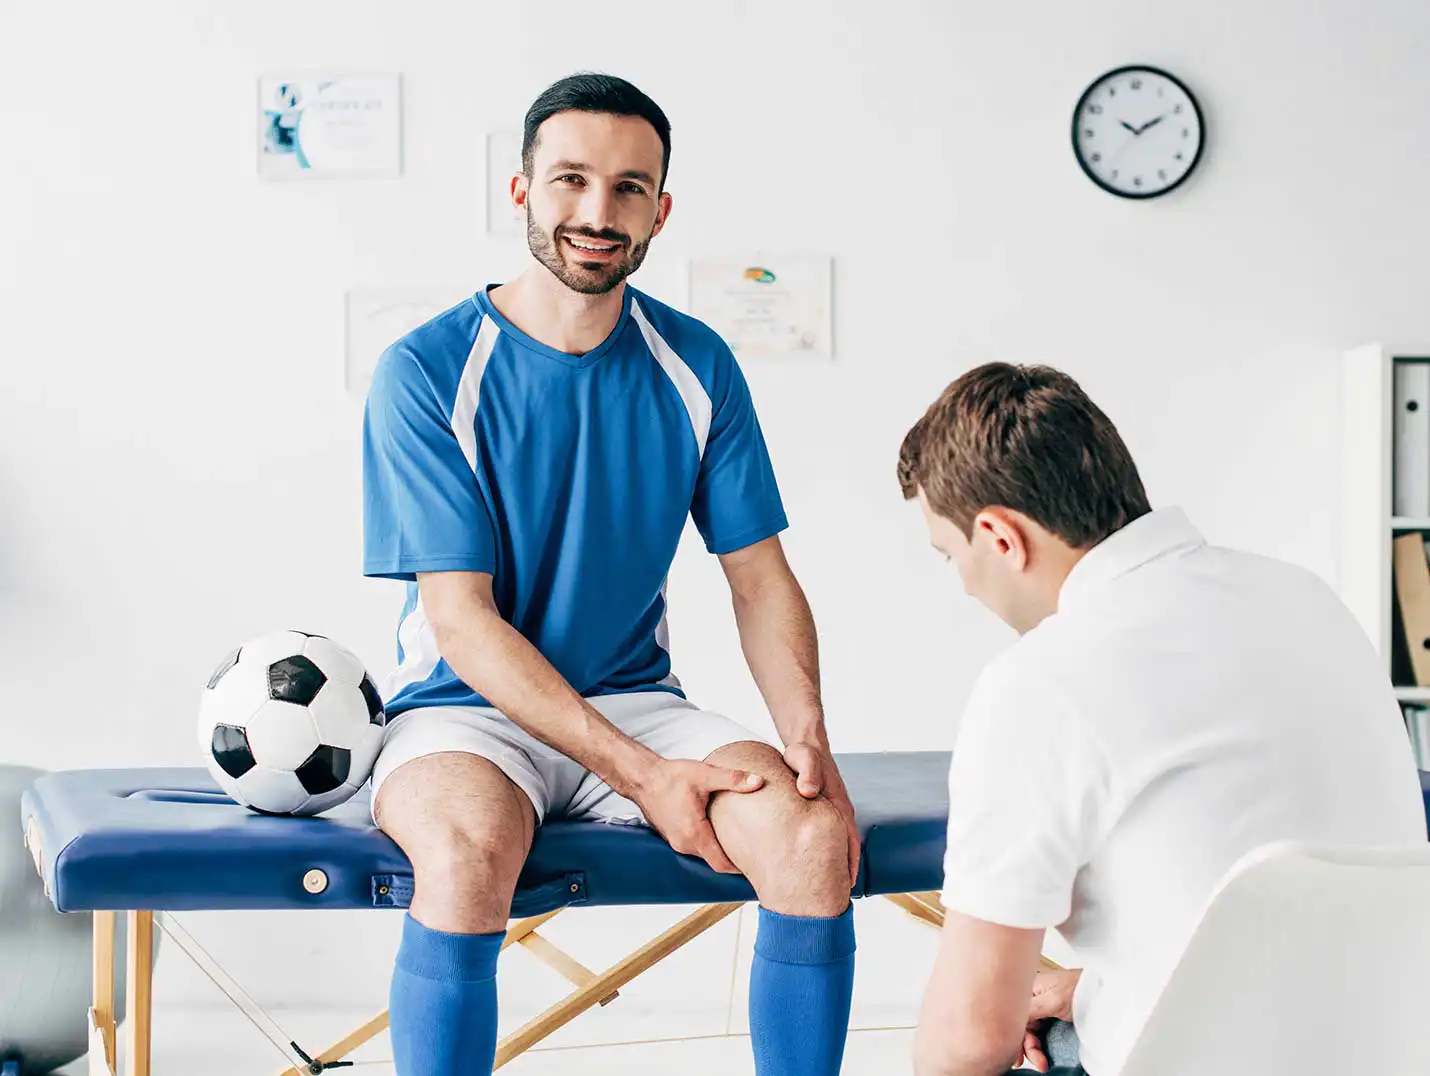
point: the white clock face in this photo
(1137, 132)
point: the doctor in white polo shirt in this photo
(1170, 706)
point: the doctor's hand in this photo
(1052, 1000)
(816, 773)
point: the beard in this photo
(563, 261)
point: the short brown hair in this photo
(1025, 438)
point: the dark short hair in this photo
(1025, 438)
(587, 92)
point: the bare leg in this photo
(796, 854)
(466, 828)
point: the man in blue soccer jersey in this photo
(530, 457)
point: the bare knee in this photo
(795, 851)
(803, 861)
(466, 831)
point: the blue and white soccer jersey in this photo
(569, 479)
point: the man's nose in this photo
(597, 208)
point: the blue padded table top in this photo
(169, 840)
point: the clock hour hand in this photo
(1129, 126)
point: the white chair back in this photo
(1308, 961)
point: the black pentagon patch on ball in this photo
(231, 751)
(223, 667)
(375, 716)
(295, 679)
(325, 770)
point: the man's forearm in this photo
(497, 661)
(781, 648)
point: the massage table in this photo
(143, 842)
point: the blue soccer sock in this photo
(444, 1002)
(801, 986)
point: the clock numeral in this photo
(1176, 110)
(1112, 91)
(1161, 173)
(1088, 132)
(1114, 173)
(1186, 133)
(1095, 110)
(1096, 157)
(1179, 156)
(1137, 181)
(1136, 83)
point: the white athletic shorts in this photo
(558, 787)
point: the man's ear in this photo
(1004, 530)
(662, 213)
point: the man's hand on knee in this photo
(816, 773)
(676, 799)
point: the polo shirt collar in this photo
(1146, 538)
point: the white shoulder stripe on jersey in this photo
(419, 652)
(464, 407)
(697, 400)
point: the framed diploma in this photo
(766, 307)
(329, 125)
(503, 162)
(378, 317)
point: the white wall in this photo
(179, 463)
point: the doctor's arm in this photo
(976, 1006)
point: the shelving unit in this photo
(1367, 483)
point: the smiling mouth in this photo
(592, 248)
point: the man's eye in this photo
(569, 179)
(632, 188)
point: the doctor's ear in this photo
(1002, 530)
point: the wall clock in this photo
(1137, 132)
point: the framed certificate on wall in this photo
(767, 306)
(377, 317)
(329, 125)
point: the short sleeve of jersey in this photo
(1028, 795)
(422, 508)
(737, 501)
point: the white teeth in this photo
(592, 249)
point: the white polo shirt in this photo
(1184, 705)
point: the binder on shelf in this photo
(1411, 714)
(1411, 430)
(1412, 588)
(1417, 724)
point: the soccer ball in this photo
(290, 723)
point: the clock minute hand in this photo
(1150, 123)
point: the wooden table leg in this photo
(103, 986)
(139, 981)
(610, 980)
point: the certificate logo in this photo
(759, 275)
